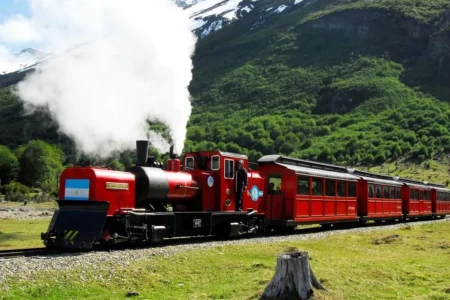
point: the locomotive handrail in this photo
(186, 187)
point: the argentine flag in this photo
(77, 189)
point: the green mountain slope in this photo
(345, 81)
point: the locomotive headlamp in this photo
(228, 192)
(227, 202)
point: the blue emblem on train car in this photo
(255, 193)
(77, 189)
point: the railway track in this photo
(27, 252)
(42, 251)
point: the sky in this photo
(8, 9)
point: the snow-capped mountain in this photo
(207, 16)
(23, 61)
(212, 15)
(186, 3)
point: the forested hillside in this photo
(347, 81)
(344, 81)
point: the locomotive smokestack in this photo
(171, 152)
(142, 152)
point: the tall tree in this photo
(40, 164)
(9, 165)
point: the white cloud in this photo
(18, 30)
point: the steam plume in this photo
(131, 62)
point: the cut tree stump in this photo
(293, 279)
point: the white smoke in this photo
(132, 62)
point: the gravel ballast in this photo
(26, 268)
(26, 213)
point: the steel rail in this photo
(27, 252)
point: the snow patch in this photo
(246, 8)
(297, 1)
(197, 23)
(280, 8)
(216, 25)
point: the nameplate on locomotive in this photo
(117, 186)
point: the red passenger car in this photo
(441, 203)
(417, 200)
(379, 196)
(302, 192)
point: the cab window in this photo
(215, 163)
(229, 168)
(189, 163)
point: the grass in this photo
(408, 263)
(49, 204)
(21, 233)
(429, 170)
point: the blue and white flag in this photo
(77, 189)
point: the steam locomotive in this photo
(148, 203)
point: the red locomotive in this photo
(147, 203)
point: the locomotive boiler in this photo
(153, 184)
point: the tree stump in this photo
(293, 279)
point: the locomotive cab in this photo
(216, 171)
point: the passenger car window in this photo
(302, 185)
(274, 184)
(378, 194)
(371, 191)
(385, 192)
(330, 186)
(351, 189)
(392, 192)
(342, 185)
(317, 186)
(399, 193)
